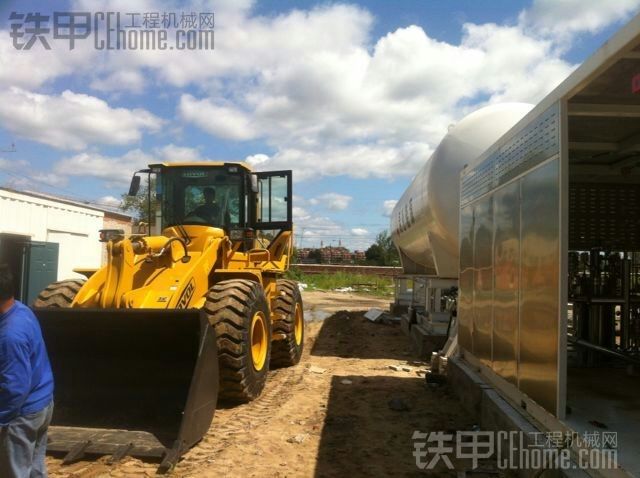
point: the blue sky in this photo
(353, 96)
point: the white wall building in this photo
(44, 238)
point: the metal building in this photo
(44, 238)
(534, 213)
(549, 237)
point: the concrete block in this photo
(374, 314)
(405, 324)
(398, 309)
(423, 343)
(467, 388)
(495, 413)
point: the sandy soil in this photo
(329, 416)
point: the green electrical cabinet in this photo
(40, 268)
(34, 264)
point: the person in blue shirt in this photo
(26, 387)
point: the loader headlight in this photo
(107, 235)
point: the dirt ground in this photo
(327, 417)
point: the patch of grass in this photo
(360, 283)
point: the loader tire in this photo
(239, 313)
(59, 294)
(288, 328)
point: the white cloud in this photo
(71, 120)
(178, 154)
(34, 67)
(221, 121)
(20, 174)
(564, 18)
(516, 67)
(331, 107)
(358, 161)
(121, 80)
(333, 201)
(13, 164)
(312, 227)
(111, 169)
(110, 201)
(300, 214)
(387, 207)
(316, 228)
(325, 104)
(256, 160)
(47, 178)
(10, 172)
(116, 171)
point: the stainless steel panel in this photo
(540, 274)
(506, 223)
(536, 142)
(465, 292)
(483, 279)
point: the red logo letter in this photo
(635, 84)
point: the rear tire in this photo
(287, 351)
(239, 313)
(59, 294)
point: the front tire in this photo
(289, 326)
(239, 313)
(59, 294)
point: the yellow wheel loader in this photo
(142, 349)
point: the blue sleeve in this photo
(15, 376)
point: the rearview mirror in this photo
(254, 183)
(135, 186)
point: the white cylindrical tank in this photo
(424, 223)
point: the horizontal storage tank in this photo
(424, 223)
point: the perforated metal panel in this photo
(538, 141)
(604, 215)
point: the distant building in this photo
(338, 254)
(303, 253)
(329, 255)
(116, 220)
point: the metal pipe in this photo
(625, 319)
(603, 350)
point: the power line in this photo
(70, 196)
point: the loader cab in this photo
(208, 196)
(229, 196)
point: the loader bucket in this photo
(141, 382)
